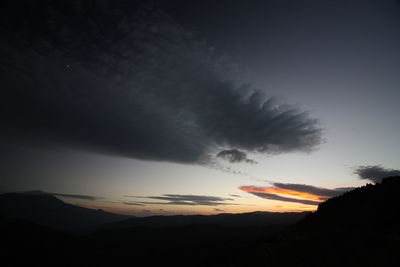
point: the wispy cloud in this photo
(279, 191)
(375, 173)
(185, 200)
(82, 197)
(319, 191)
(286, 199)
(133, 203)
(299, 193)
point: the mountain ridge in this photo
(45, 209)
(257, 218)
(373, 206)
(358, 228)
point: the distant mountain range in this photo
(47, 210)
(258, 218)
(358, 228)
(107, 239)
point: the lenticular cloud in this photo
(141, 86)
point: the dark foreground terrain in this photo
(358, 228)
(49, 232)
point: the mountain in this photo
(251, 219)
(45, 209)
(192, 240)
(371, 206)
(358, 228)
(24, 243)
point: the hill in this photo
(375, 207)
(24, 243)
(358, 228)
(45, 209)
(192, 240)
(250, 219)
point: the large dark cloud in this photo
(120, 77)
(375, 173)
(186, 200)
(319, 191)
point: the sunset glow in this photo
(280, 191)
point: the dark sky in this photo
(285, 92)
(353, 42)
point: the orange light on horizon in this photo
(296, 208)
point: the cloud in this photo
(319, 191)
(286, 199)
(300, 193)
(375, 173)
(234, 156)
(133, 203)
(83, 197)
(234, 195)
(188, 200)
(139, 86)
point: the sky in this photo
(197, 107)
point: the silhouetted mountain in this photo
(370, 206)
(45, 209)
(27, 244)
(224, 219)
(192, 240)
(358, 228)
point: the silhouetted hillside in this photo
(370, 206)
(192, 240)
(24, 243)
(46, 209)
(255, 219)
(358, 228)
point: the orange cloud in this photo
(280, 191)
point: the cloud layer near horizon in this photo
(314, 190)
(298, 193)
(81, 197)
(140, 86)
(186, 200)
